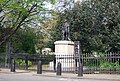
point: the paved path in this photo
(23, 75)
(29, 77)
(85, 76)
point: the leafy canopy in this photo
(95, 23)
(15, 14)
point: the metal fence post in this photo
(12, 65)
(80, 69)
(54, 65)
(39, 68)
(26, 62)
(59, 71)
(78, 53)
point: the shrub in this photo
(110, 65)
(22, 62)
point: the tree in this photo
(95, 23)
(46, 33)
(24, 41)
(15, 14)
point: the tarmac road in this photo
(30, 77)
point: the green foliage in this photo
(110, 65)
(24, 41)
(16, 14)
(2, 57)
(2, 60)
(95, 23)
(2, 49)
(22, 62)
(92, 63)
(101, 63)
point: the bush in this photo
(110, 65)
(92, 62)
(22, 62)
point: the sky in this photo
(77, 0)
(50, 6)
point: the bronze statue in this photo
(65, 31)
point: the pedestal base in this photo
(64, 51)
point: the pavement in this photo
(7, 71)
(110, 77)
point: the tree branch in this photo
(19, 24)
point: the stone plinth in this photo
(64, 51)
(64, 48)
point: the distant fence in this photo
(30, 61)
(92, 63)
(107, 63)
(101, 63)
(24, 60)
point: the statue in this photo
(65, 31)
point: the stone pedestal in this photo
(64, 51)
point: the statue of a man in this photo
(65, 31)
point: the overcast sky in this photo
(50, 6)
